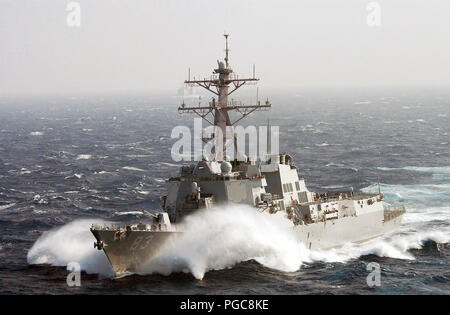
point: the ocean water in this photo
(68, 162)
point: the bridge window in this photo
(288, 187)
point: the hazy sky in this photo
(148, 45)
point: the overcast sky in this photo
(148, 45)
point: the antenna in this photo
(379, 186)
(378, 176)
(269, 147)
(226, 49)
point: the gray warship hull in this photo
(128, 254)
(332, 234)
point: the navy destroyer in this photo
(272, 184)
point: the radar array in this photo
(223, 82)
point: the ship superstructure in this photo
(271, 184)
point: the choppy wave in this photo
(72, 242)
(357, 137)
(414, 194)
(339, 165)
(432, 194)
(6, 206)
(433, 170)
(428, 215)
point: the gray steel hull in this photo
(336, 233)
(127, 255)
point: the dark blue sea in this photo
(68, 162)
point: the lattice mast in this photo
(219, 84)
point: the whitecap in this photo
(9, 205)
(101, 172)
(434, 170)
(84, 156)
(136, 156)
(130, 168)
(335, 164)
(424, 169)
(129, 213)
(24, 171)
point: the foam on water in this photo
(427, 215)
(72, 242)
(219, 238)
(433, 170)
